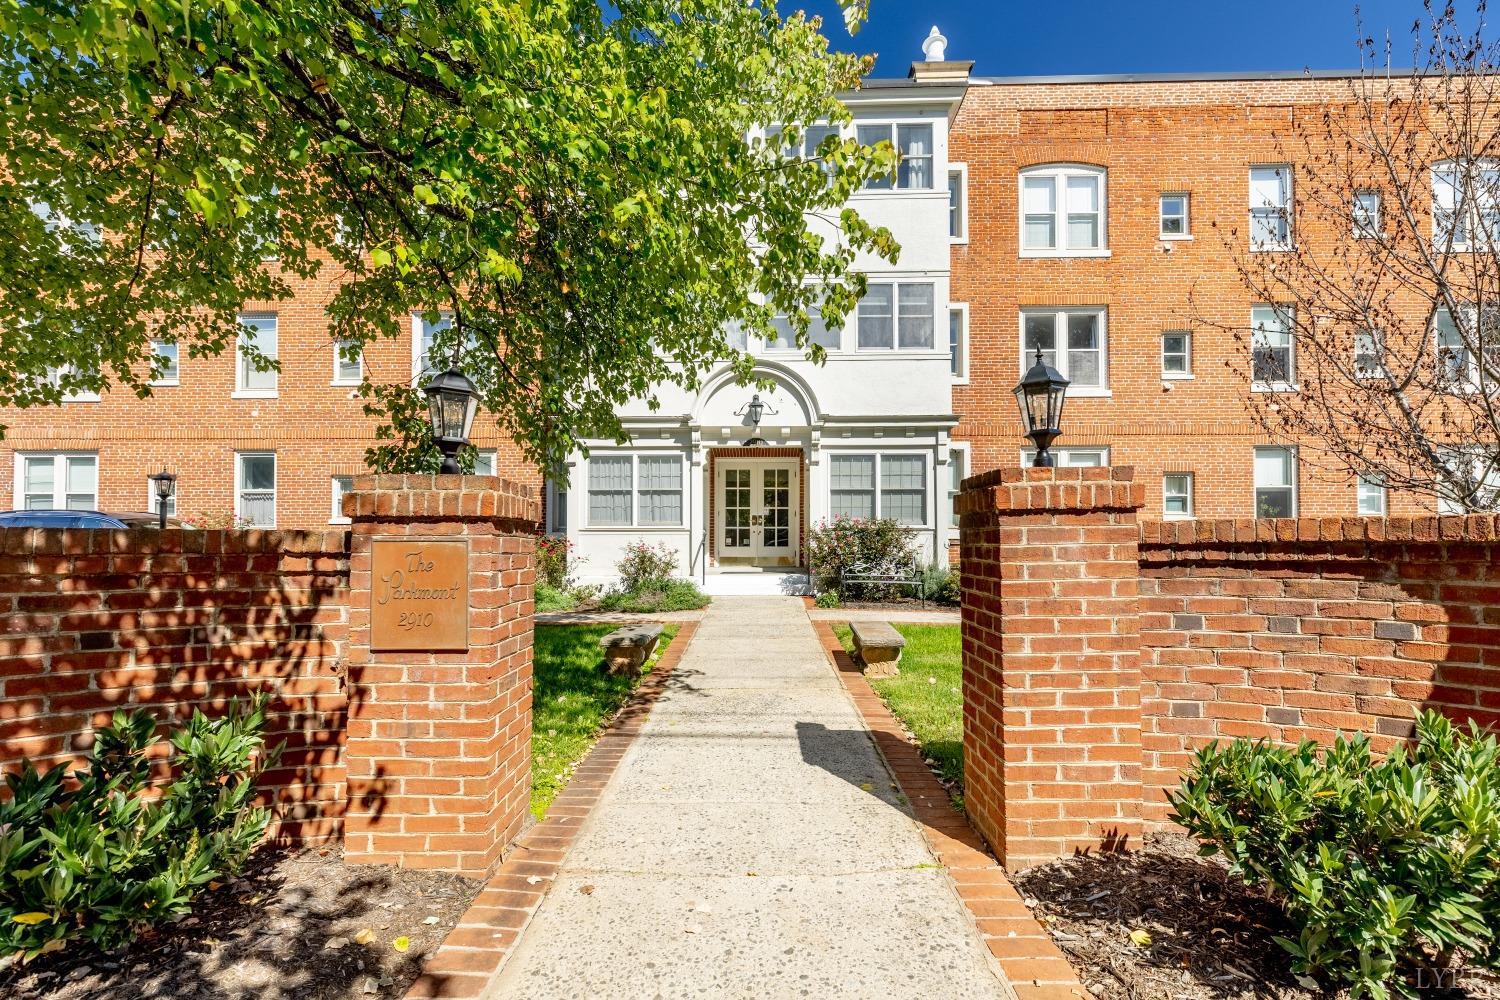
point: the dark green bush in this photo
(1384, 866)
(827, 599)
(103, 856)
(880, 544)
(940, 584)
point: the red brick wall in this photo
(92, 621)
(1302, 629)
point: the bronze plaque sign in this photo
(419, 595)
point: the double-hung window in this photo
(424, 332)
(913, 143)
(57, 481)
(1369, 354)
(1272, 357)
(1271, 207)
(340, 486)
(1365, 214)
(485, 460)
(818, 332)
(1062, 211)
(164, 367)
(958, 202)
(1173, 217)
(896, 315)
(74, 384)
(1177, 495)
(557, 508)
(1177, 354)
(257, 348)
(879, 485)
(1275, 482)
(635, 490)
(1459, 363)
(958, 341)
(348, 362)
(1070, 340)
(1370, 496)
(255, 488)
(958, 471)
(1466, 204)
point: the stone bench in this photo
(627, 649)
(878, 646)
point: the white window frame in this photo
(895, 285)
(892, 183)
(961, 453)
(556, 501)
(418, 325)
(339, 378)
(1187, 356)
(781, 324)
(1289, 325)
(1377, 488)
(635, 492)
(490, 456)
(928, 492)
(1367, 225)
(1377, 340)
(1472, 378)
(59, 477)
(156, 345)
(1162, 216)
(1256, 487)
(336, 499)
(243, 369)
(1472, 217)
(961, 215)
(1060, 334)
(1191, 512)
(1062, 458)
(55, 376)
(1267, 209)
(1059, 173)
(961, 310)
(239, 484)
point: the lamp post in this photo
(451, 403)
(165, 485)
(1040, 394)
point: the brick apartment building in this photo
(1078, 211)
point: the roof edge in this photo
(1223, 76)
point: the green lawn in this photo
(927, 696)
(574, 696)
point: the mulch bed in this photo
(1211, 937)
(285, 928)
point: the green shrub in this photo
(1384, 867)
(555, 562)
(104, 857)
(846, 542)
(655, 595)
(827, 599)
(550, 599)
(940, 584)
(643, 563)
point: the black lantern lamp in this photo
(165, 484)
(1041, 394)
(754, 409)
(451, 404)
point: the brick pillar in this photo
(439, 736)
(1051, 660)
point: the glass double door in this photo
(758, 513)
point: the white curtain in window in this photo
(916, 316)
(660, 496)
(852, 481)
(609, 491)
(1039, 204)
(875, 317)
(903, 488)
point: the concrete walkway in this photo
(751, 844)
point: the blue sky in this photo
(1014, 38)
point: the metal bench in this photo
(884, 575)
(627, 648)
(877, 646)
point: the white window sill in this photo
(91, 398)
(254, 394)
(1177, 376)
(960, 380)
(616, 528)
(1178, 517)
(888, 192)
(1272, 248)
(1175, 237)
(165, 383)
(1090, 392)
(958, 240)
(340, 520)
(343, 385)
(1275, 387)
(1027, 254)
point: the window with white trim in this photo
(1062, 211)
(1275, 482)
(913, 142)
(70, 233)
(894, 316)
(485, 460)
(818, 332)
(1370, 497)
(958, 202)
(255, 488)
(1071, 340)
(1369, 354)
(164, 367)
(1271, 207)
(260, 335)
(958, 341)
(1172, 217)
(1177, 354)
(1365, 214)
(340, 485)
(348, 362)
(958, 471)
(1459, 368)
(883, 485)
(1481, 468)
(1177, 495)
(67, 378)
(635, 491)
(1466, 204)
(59, 480)
(1273, 365)
(1070, 458)
(423, 333)
(557, 508)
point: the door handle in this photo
(756, 520)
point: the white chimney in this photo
(935, 46)
(936, 68)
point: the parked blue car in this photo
(79, 519)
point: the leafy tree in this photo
(583, 187)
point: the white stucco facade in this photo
(865, 432)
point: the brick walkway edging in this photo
(1034, 965)
(472, 953)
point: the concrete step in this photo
(762, 583)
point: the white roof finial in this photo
(935, 46)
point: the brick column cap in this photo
(427, 497)
(1019, 490)
(1481, 528)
